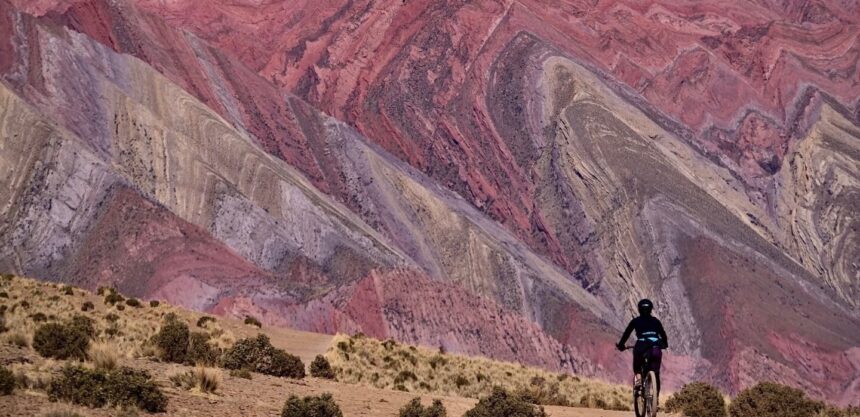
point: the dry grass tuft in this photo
(17, 338)
(103, 356)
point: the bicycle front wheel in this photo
(649, 392)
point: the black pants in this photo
(645, 349)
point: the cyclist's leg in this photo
(638, 361)
(656, 360)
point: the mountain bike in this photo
(645, 395)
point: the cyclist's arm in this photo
(626, 334)
(663, 338)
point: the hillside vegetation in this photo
(64, 345)
(391, 365)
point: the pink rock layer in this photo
(738, 80)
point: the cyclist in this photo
(650, 338)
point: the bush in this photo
(133, 302)
(154, 303)
(113, 297)
(200, 352)
(201, 322)
(67, 290)
(102, 290)
(415, 409)
(61, 341)
(502, 404)
(172, 339)
(87, 306)
(253, 321)
(257, 354)
(7, 381)
(122, 387)
(697, 399)
(39, 317)
(321, 368)
(313, 406)
(769, 399)
(84, 324)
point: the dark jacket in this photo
(648, 329)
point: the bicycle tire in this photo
(649, 391)
(639, 408)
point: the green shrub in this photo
(154, 303)
(200, 352)
(7, 381)
(84, 324)
(133, 302)
(39, 317)
(201, 322)
(502, 404)
(415, 409)
(321, 368)
(4, 294)
(122, 387)
(172, 339)
(253, 321)
(102, 290)
(113, 297)
(405, 375)
(67, 290)
(87, 306)
(111, 317)
(120, 307)
(697, 399)
(313, 406)
(257, 354)
(61, 341)
(769, 399)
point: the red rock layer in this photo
(736, 79)
(163, 257)
(757, 326)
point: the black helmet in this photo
(645, 306)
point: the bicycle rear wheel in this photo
(649, 392)
(639, 407)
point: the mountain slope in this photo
(554, 196)
(157, 162)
